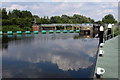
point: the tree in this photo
(16, 13)
(26, 14)
(9, 15)
(45, 20)
(109, 19)
(36, 16)
(55, 19)
(99, 22)
(16, 20)
(4, 13)
(82, 19)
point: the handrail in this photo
(106, 37)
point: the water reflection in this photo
(10, 36)
(0, 36)
(27, 35)
(18, 35)
(48, 55)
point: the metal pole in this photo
(109, 31)
(101, 32)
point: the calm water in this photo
(48, 56)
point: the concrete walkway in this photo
(109, 61)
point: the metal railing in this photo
(107, 37)
(84, 24)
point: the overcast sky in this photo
(95, 9)
(59, 0)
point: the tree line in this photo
(16, 20)
(75, 19)
(23, 20)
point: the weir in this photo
(84, 27)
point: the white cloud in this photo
(14, 6)
(56, 53)
(108, 11)
(94, 10)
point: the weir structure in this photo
(86, 28)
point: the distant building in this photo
(35, 28)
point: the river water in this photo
(64, 55)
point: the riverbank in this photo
(109, 60)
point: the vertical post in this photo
(80, 30)
(75, 27)
(109, 35)
(64, 27)
(55, 28)
(101, 32)
(72, 28)
(93, 30)
(41, 28)
(113, 30)
(84, 32)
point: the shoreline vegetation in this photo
(17, 20)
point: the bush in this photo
(116, 31)
(13, 28)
